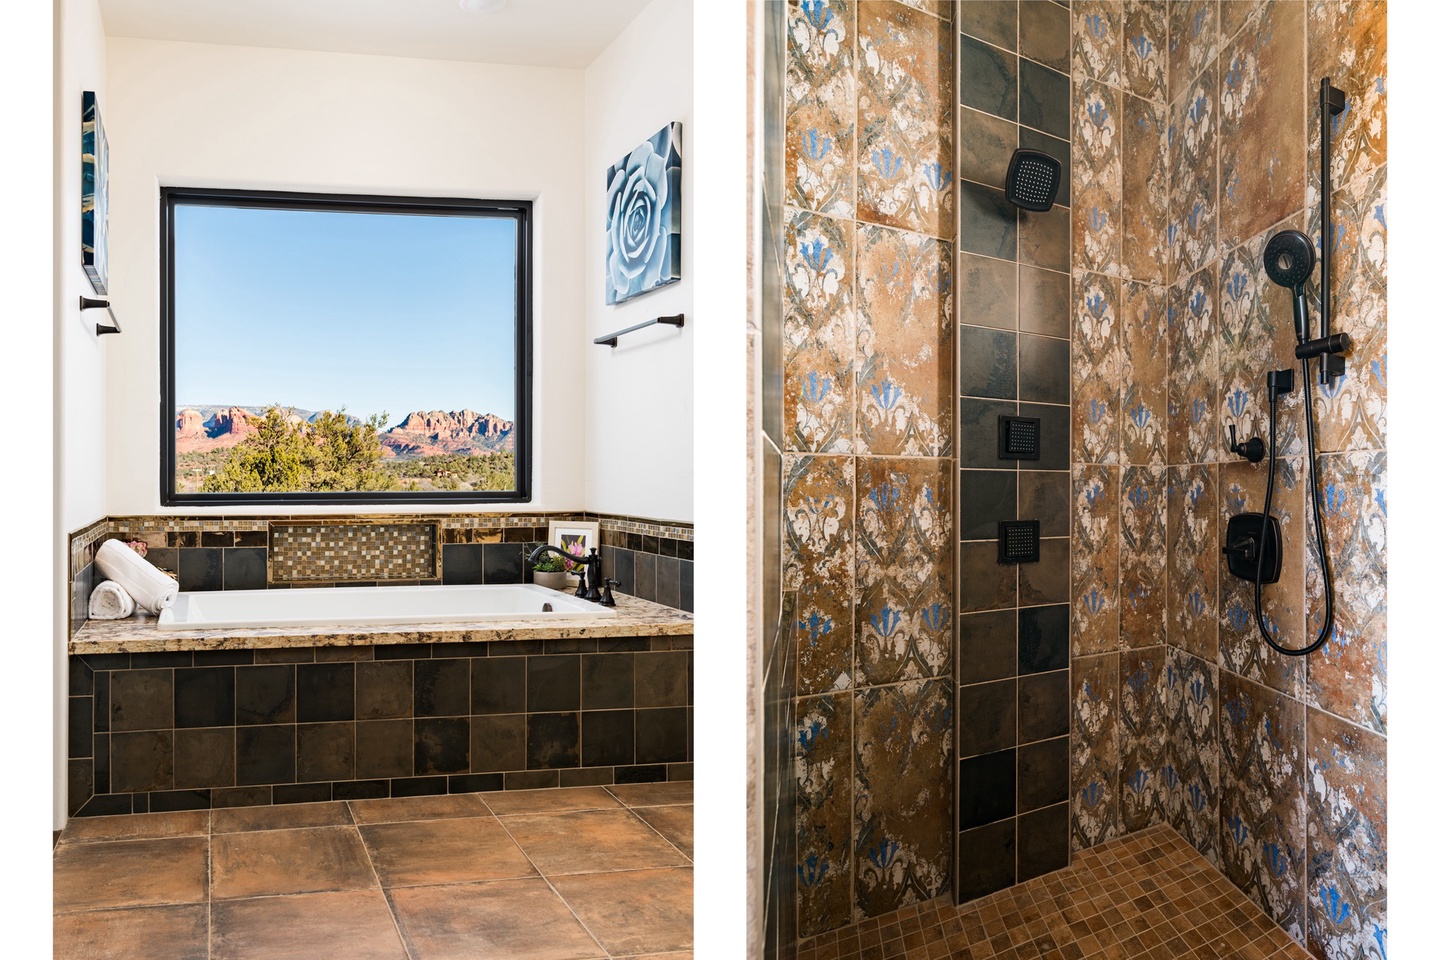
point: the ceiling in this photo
(546, 33)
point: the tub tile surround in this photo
(1272, 768)
(207, 728)
(256, 553)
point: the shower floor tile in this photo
(423, 878)
(1145, 896)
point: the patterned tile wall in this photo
(1195, 140)
(865, 447)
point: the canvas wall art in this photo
(94, 194)
(642, 218)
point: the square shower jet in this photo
(642, 218)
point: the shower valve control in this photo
(1252, 449)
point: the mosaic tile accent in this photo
(1348, 42)
(1145, 170)
(1095, 601)
(819, 339)
(1263, 105)
(370, 551)
(1242, 489)
(820, 93)
(1144, 895)
(905, 348)
(1144, 402)
(1194, 369)
(1095, 750)
(1262, 812)
(1097, 184)
(1097, 369)
(1192, 517)
(1146, 48)
(1191, 778)
(1099, 38)
(1142, 738)
(905, 538)
(906, 132)
(1256, 334)
(823, 775)
(1348, 676)
(1193, 126)
(1143, 511)
(1346, 864)
(904, 794)
(1350, 414)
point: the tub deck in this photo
(633, 618)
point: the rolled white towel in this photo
(109, 601)
(151, 589)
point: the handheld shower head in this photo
(1289, 261)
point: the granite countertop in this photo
(138, 634)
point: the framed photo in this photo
(575, 536)
(94, 194)
(642, 218)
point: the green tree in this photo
(284, 457)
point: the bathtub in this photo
(339, 606)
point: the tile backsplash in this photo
(651, 560)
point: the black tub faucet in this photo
(589, 588)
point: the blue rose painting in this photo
(642, 218)
(94, 193)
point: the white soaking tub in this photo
(341, 606)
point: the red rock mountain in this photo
(428, 433)
(225, 428)
(424, 433)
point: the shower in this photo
(1252, 540)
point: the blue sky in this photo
(375, 312)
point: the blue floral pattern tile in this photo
(1143, 509)
(819, 334)
(1094, 750)
(823, 757)
(904, 794)
(1095, 571)
(904, 579)
(1262, 819)
(1192, 515)
(1097, 369)
(1346, 866)
(1142, 738)
(820, 119)
(1189, 779)
(1096, 181)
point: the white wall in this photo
(79, 354)
(641, 406)
(206, 115)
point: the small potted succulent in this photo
(550, 571)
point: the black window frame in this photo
(521, 211)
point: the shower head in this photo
(1289, 260)
(1032, 180)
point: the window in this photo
(343, 349)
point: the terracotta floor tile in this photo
(444, 851)
(509, 919)
(676, 824)
(270, 862)
(654, 794)
(356, 925)
(641, 911)
(155, 933)
(129, 873)
(397, 809)
(506, 803)
(591, 841)
(137, 826)
(280, 816)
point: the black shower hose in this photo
(1329, 626)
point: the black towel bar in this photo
(611, 340)
(90, 303)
